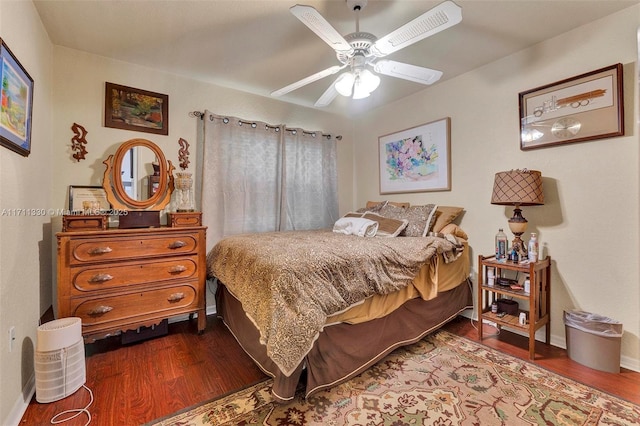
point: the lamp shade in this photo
(344, 84)
(518, 187)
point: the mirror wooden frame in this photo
(112, 182)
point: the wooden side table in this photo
(539, 297)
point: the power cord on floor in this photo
(55, 419)
(497, 333)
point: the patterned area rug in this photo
(442, 380)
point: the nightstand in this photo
(538, 298)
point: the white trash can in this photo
(593, 340)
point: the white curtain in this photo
(256, 177)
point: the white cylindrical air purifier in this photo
(59, 359)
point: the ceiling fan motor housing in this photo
(361, 43)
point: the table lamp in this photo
(518, 188)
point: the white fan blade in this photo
(327, 97)
(298, 84)
(439, 18)
(323, 29)
(407, 71)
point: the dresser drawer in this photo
(124, 274)
(122, 279)
(126, 307)
(104, 249)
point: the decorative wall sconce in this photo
(79, 141)
(183, 154)
(183, 181)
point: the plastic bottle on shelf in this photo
(533, 248)
(501, 245)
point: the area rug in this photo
(442, 380)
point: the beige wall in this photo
(590, 219)
(25, 182)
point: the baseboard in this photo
(21, 404)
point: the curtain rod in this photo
(226, 120)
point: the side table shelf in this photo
(539, 297)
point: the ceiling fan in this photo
(361, 50)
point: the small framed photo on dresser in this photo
(88, 199)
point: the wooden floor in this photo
(140, 382)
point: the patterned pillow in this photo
(420, 218)
(387, 227)
(373, 207)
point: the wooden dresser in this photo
(122, 279)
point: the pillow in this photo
(353, 214)
(454, 229)
(387, 227)
(372, 206)
(420, 218)
(393, 203)
(444, 216)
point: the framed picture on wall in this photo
(586, 107)
(136, 109)
(17, 103)
(416, 159)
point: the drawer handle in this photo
(175, 297)
(100, 310)
(100, 250)
(177, 269)
(177, 244)
(100, 278)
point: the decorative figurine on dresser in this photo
(138, 275)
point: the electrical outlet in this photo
(12, 337)
(491, 323)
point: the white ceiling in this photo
(258, 46)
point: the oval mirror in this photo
(140, 173)
(131, 181)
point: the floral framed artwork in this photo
(582, 108)
(17, 103)
(416, 159)
(136, 109)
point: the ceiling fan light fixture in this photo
(344, 83)
(359, 92)
(369, 81)
(365, 83)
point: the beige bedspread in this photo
(290, 282)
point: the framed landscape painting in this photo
(416, 159)
(136, 109)
(17, 103)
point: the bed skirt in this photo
(345, 350)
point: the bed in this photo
(333, 304)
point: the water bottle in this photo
(501, 245)
(533, 248)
